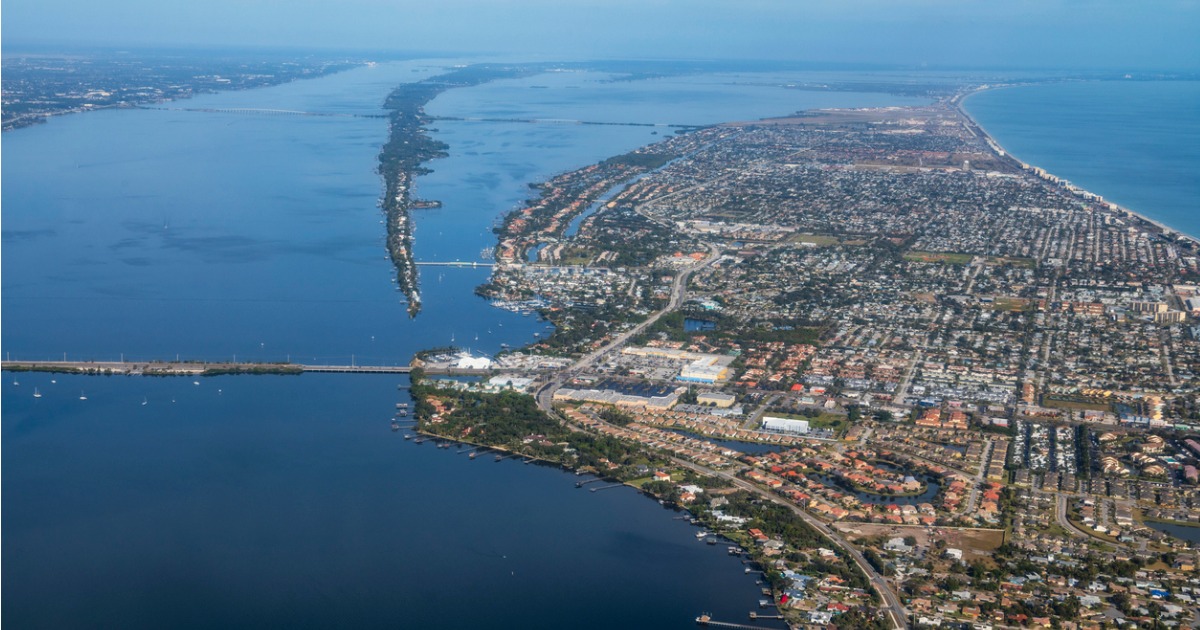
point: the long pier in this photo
(704, 620)
(196, 368)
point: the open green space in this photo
(949, 258)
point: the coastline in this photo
(33, 120)
(958, 102)
(404, 154)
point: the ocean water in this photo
(251, 501)
(1137, 143)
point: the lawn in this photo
(949, 258)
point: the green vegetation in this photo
(513, 422)
(1074, 402)
(949, 258)
(254, 369)
(649, 161)
(408, 147)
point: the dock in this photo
(615, 485)
(580, 484)
(705, 620)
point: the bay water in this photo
(271, 501)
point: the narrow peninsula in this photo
(403, 157)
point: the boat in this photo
(81, 395)
(395, 427)
(408, 436)
(146, 401)
(472, 455)
(36, 393)
(701, 534)
(499, 457)
(15, 382)
(195, 382)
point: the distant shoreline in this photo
(25, 121)
(959, 103)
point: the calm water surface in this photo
(287, 500)
(1136, 143)
(1190, 533)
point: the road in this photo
(984, 456)
(545, 401)
(1060, 514)
(545, 396)
(892, 602)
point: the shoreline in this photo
(34, 120)
(958, 102)
(402, 158)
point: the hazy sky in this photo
(1107, 34)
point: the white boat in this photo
(195, 382)
(36, 393)
(81, 395)
(145, 401)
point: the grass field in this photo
(1028, 263)
(825, 240)
(1067, 403)
(949, 258)
(1009, 304)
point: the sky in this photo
(1055, 34)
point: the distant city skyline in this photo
(1058, 34)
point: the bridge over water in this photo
(199, 368)
(456, 263)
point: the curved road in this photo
(545, 400)
(893, 606)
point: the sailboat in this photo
(36, 393)
(81, 395)
(145, 401)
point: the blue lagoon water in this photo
(1136, 143)
(250, 501)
